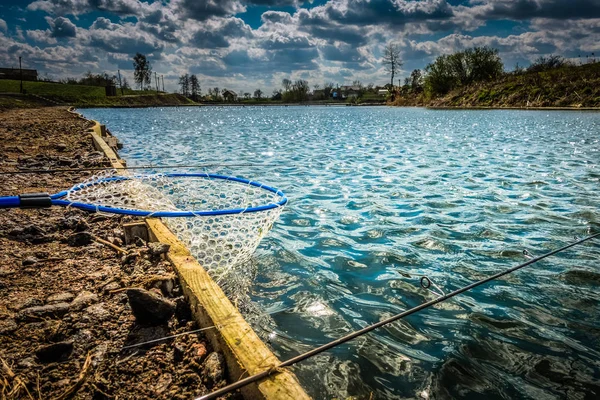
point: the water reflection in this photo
(382, 196)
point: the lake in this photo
(380, 197)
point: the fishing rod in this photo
(149, 166)
(424, 282)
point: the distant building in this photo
(15, 73)
(229, 95)
(382, 92)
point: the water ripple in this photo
(381, 196)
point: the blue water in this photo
(382, 196)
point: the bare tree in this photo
(258, 93)
(287, 84)
(391, 60)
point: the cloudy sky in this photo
(248, 44)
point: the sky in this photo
(246, 45)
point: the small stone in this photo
(28, 362)
(212, 368)
(56, 310)
(149, 308)
(64, 297)
(178, 352)
(60, 146)
(157, 249)
(30, 260)
(54, 352)
(129, 258)
(163, 383)
(83, 300)
(30, 302)
(199, 351)
(7, 325)
(97, 312)
(80, 239)
(110, 287)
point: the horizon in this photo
(252, 44)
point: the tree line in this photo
(463, 68)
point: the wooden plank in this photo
(245, 352)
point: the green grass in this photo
(82, 95)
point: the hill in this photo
(565, 87)
(82, 96)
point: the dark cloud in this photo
(274, 3)
(210, 37)
(342, 53)
(240, 61)
(346, 34)
(122, 38)
(201, 10)
(119, 7)
(527, 9)
(76, 7)
(208, 40)
(389, 12)
(62, 28)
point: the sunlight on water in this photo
(380, 197)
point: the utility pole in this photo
(21, 74)
(163, 81)
(156, 81)
(120, 83)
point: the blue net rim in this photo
(57, 198)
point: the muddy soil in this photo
(67, 307)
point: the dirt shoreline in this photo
(67, 309)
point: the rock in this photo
(56, 310)
(212, 368)
(109, 287)
(83, 300)
(156, 249)
(75, 223)
(80, 239)
(30, 302)
(30, 260)
(29, 233)
(199, 351)
(54, 352)
(149, 308)
(147, 334)
(97, 312)
(28, 362)
(129, 258)
(60, 146)
(163, 383)
(178, 352)
(64, 297)
(7, 325)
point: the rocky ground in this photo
(70, 303)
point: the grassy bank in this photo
(566, 87)
(47, 93)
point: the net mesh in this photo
(222, 244)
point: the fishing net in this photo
(220, 219)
